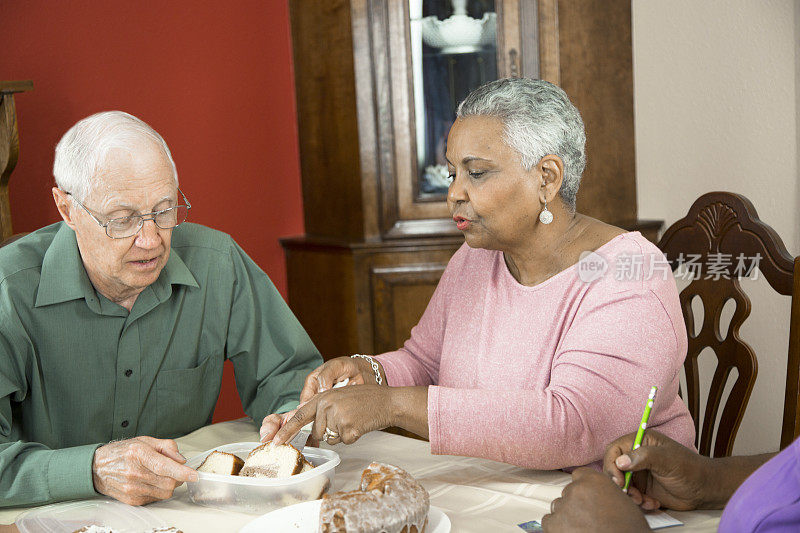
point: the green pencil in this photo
(640, 433)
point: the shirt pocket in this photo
(185, 398)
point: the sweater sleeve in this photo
(602, 370)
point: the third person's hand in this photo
(666, 473)
(593, 503)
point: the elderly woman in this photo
(531, 351)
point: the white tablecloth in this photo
(476, 494)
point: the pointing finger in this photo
(301, 417)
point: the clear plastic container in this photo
(261, 495)
(69, 517)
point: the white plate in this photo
(304, 518)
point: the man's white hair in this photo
(539, 119)
(82, 151)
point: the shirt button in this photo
(128, 373)
(124, 423)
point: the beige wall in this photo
(716, 104)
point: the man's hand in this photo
(593, 503)
(668, 474)
(139, 470)
(326, 375)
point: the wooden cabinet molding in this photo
(400, 295)
(362, 297)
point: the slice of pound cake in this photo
(221, 463)
(274, 461)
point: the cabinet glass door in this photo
(427, 55)
(453, 51)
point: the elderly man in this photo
(115, 323)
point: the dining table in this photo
(477, 495)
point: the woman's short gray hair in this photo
(82, 151)
(539, 120)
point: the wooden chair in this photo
(727, 223)
(9, 151)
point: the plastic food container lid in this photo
(68, 517)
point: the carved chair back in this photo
(722, 232)
(9, 150)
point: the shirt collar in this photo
(175, 273)
(64, 278)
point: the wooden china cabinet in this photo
(377, 83)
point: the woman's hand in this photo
(272, 423)
(322, 378)
(593, 503)
(347, 413)
(667, 473)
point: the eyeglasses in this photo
(123, 227)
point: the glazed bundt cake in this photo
(389, 500)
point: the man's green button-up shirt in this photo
(77, 370)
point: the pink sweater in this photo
(545, 377)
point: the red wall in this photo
(214, 78)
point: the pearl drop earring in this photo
(545, 217)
